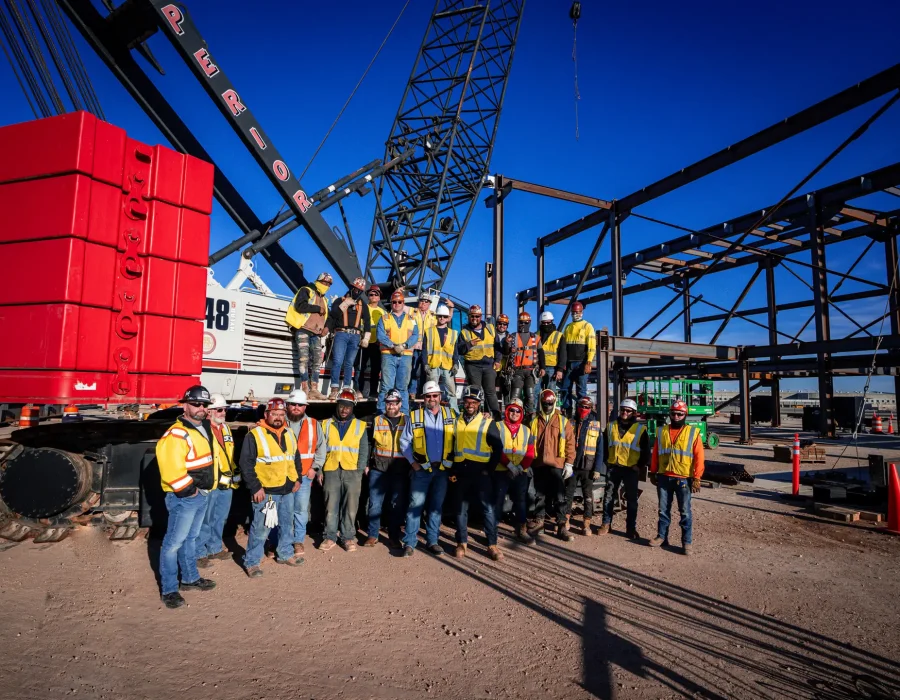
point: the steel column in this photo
(498, 246)
(823, 322)
(686, 301)
(744, 371)
(603, 378)
(773, 339)
(615, 253)
(539, 256)
(488, 290)
(893, 281)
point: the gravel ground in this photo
(775, 603)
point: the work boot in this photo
(408, 551)
(315, 395)
(435, 549)
(534, 527)
(333, 394)
(687, 549)
(523, 536)
(494, 553)
(327, 545)
(223, 554)
(293, 561)
(632, 535)
(460, 552)
(254, 572)
(298, 549)
(563, 529)
(349, 545)
(203, 563)
(201, 584)
(172, 600)
(656, 541)
(359, 396)
(586, 526)
(603, 529)
(370, 542)
(394, 544)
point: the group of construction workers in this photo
(410, 459)
(400, 348)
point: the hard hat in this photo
(524, 317)
(197, 394)
(679, 405)
(360, 284)
(442, 311)
(548, 395)
(473, 392)
(547, 317)
(297, 396)
(347, 396)
(502, 318)
(218, 401)
(628, 403)
(577, 307)
(325, 278)
(393, 395)
(431, 387)
(398, 296)
(425, 297)
(474, 310)
(586, 401)
(516, 402)
(374, 288)
(275, 404)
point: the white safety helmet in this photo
(431, 388)
(218, 401)
(297, 396)
(628, 403)
(546, 316)
(442, 311)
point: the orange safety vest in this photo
(307, 441)
(359, 321)
(525, 354)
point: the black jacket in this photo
(335, 320)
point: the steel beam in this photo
(545, 191)
(615, 254)
(789, 306)
(584, 274)
(772, 308)
(497, 272)
(686, 307)
(822, 317)
(744, 371)
(737, 303)
(539, 256)
(603, 361)
(893, 282)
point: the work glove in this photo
(346, 304)
(653, 478)
(270, 511)
(595, 476)
(364, 341)
(514, 470)
(695, 485)
(567, 471)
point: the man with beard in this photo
(311, 449)
(388, 472)
(511, 475)
(441, 358)
(554, 459)
(370, 355)
(588, 460)
(627, 452)
(581, 347)
(349, 320)
(271, 467)
(306, 316)
(479, 347)
(526, 357)
(675, 469)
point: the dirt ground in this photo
(775, 603)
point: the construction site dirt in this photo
(776, 602)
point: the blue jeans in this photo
(259, 532)
(574, 373)
(517, 487)
(179, 547)
(217, 509)
(666, 487)
(447, 381)
(395, 483)
(427, 489)
(301, 509)
(395, 371)
(474, 483)
(343, 354)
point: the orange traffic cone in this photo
(891, 424)
(70, 414)
(29, 417)
(876, 423)
(893, 525)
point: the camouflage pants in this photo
(309, 356)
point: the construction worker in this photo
(388, 472)
(511, 475)
(370, 355)
(271, 467)
(210, 546)
(347, 454)
(675, 469)
(349, 321)
(627, 453)
(311, 448)
(424, 318)
(503, 383)
(398, 332)
(554, 348)
(188, 472)
(477, 344)
(554, 461)
(427, 444)
(307, 315)
(476, 454)
(441, 356)
(581, 348)
(526, 357)
(588, 466)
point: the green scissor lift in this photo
(655, 396)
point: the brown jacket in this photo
(546, 439)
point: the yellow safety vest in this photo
(551, 349)
(440, 355)
(515, 448)
(375, 314)
(386, 439)
(471, 440)
(226, 469)
(342, 453)
(678, 458)
(484, 347)
(275, 466)
(425, 322)
(180, 451)
(591, 438)
(297, 320)
(624, 450)
(420, 445)
(582, 333)
(399, 335)
(563, 422)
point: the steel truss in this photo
(449, 115)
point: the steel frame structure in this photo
(765, 240)
(449, 116)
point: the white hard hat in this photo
(431, 388)
(218, 401)
(442, 311)
(297, 396)
(546, 316)
(629, 403)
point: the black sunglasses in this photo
(197, 404)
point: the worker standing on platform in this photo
(347, 454)
(388, 472)
(349, 320)
(210, 544)
(581, 348)
(311, 446)
(588, 465)
(188, 473)
(627, 452)
(554, 348)
(511, 475)
(477, 344)
(441, 357)
(307, 315)
(425, 319)
(271, 468)
(675, 469)
(370, 356)
(503, 386)
(397, 334)
(553, 463)
(527, 358)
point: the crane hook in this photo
(575, 11)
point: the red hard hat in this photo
(347, 395)
(586, 401)
(325, 278)
(548, 395)
(679, 406)
(502, 318)
(398, 296)
(524, 317)
(374, 288)
(474, 310)
(275, 405)
(577, 307)
(360, 284)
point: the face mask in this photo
(577, 317)
(355, 293)
(546, 330)
(583, 413)
(523, 328)
(321, 288)
(547, 408)
(676, 423)
(627, 421)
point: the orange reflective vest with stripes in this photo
(525, 354)
(185, 459)
(307, 441)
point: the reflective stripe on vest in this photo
(359, 321)
(399, 335)
(440, 355)
(341, 448)
(297, 320)
(193, 459)
(563, 422)
(471, 440)
(551, 348)
(420, 444)
(591, 438)
(307, 441)
(484, 347)
(525, 354)
(624, 450)
(578, 332)
(516, 447)
(386, 438)
(274, 465)
(676, 458)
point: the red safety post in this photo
(795, 490)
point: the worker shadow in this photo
(641, 630)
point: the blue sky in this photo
(662, 85)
